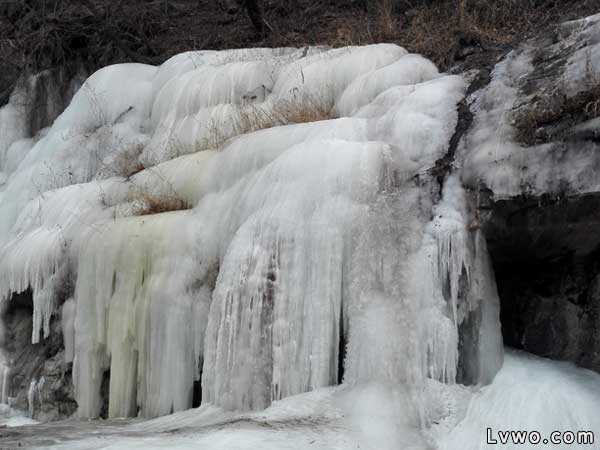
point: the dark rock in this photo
(544, 241)
(546, 256)
(42, 363)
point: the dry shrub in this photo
(40, 34)
(124, 164)
(536, 123)
(148, 203)
(301, 108)
(441, 29)
(386, 17)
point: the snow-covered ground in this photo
(10, 417)
(529, 394)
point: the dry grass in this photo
(549, 117)
(147, 203)
(305, 108)
(442, 30)
(535, 122)
(386, 16)
(42, 34)
(301, 108)
(446, 31)
(124, 164)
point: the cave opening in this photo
(546, 257)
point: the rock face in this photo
(39, 379)
(532, 161)
(546, 259)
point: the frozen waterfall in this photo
(267, 224)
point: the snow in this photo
(372, 416)
(10, 417)
(532, 394)
(313, 229)
(491, 154)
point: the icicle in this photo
(5, 384)
(31, 397)
(137, 313)
(285, 215)
(67, 320)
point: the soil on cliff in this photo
(89, 34)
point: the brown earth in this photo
(88, 34)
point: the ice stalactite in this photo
(279, 292)
(31, 396)
(36, 255)
(141, 313)
(67, 317)
(453, 268)
(5, 382)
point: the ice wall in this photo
(312, 229)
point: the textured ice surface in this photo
(493, 154)
(301, 232)
(374, 416)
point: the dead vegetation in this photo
(444, 30)
(549, 120)
(301, 108)
(448, 31)
(146, 203)
(123, 163)
(548, 116)
(41, 34)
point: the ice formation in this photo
(492, 154)
(306, 223)
(530, 394)
(265, 223)
(373, 416)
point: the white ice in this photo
(529, 393)
(306, 223)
